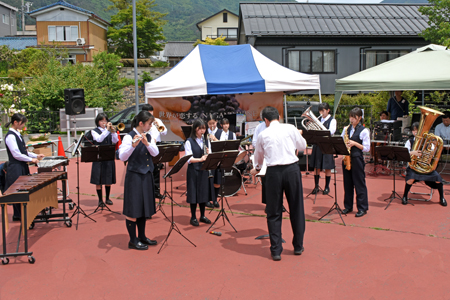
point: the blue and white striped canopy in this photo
(228, 70)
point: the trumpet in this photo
(119, 127)
(159, 125)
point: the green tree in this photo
(220, 41)
(438, 14)
(148, 28)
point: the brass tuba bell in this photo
(431, 145)
(311, 122)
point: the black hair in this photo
(225, 121)
(199, 123)
(210, 117)
(415, 126)
(100, 117)
(384, 112)
(270, 113)
(147, 107)
(143, 116)
(446, 115)
(17, 117)
(356, 112)
(324, 106)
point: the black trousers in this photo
(285, 179)
(263, 191)
(355, 179)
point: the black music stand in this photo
(187, 130)
(165, 155)
(393, 153)
(78, 210)
(223, 161)
(311, 137)
(333, 145)
(99, 153)
(175, 169)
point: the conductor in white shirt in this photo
(277, 145)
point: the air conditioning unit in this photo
(81, 41)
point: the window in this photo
(62, 33)
(13, 22)
(377, 57)
(315, 61)
(225, 17)
(230, 33)
(5, 19)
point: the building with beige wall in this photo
(67, 26)
(224, 23)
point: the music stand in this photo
(394, 153)
(311, 137)
(224, 161)
(333, 145)
(187, 130)
(175, 169)
(99, 153)
(165, 155)
(78, 210)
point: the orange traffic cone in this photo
(119, 142)
(60, 148)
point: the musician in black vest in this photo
(103, 172)
(18, 156)
(433, 179)
(321, 161)
(355, 179)
(226, 134)
(197, 180)
(138, 197)
(214, 134)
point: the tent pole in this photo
(320, 95)
(285, 110)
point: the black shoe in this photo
(109, 202)
(15, 218)
(299, 252)
(194, 222)
(404, 200)
(148, 241)
(137, 246)
(346, 211)
(276, 257)
(443, 202)
(360, 213)
(216, 204)
(209, 205)
(326, 191)
(315, 190)
(205, 220)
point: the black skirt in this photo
(433, 176)
(103, 172)
(321, 161)
(138, 195)
(198, 186)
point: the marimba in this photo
(34, 193)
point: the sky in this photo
(340, 1)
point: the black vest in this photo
(355, 150)
(140, 161)
(411, 141)
(106, 141)
(197, 153)
(22, 148)
(327, 122)
(218, 133)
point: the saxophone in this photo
(347, 158)
(430, 144)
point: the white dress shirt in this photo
(277, 145)
(14, 148)
(224, 136)
(443, 131)
(154, 131)
(258, 130)
(364, 136)
(333, 124)
(126, 148)
(188, 147)
(100, 137)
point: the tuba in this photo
(311, 122)
(430, 144)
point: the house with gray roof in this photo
(174, 52)
(332, 40)
(8, 20)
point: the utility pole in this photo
(25, 8)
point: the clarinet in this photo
(210, 174)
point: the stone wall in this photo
(128, 72)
